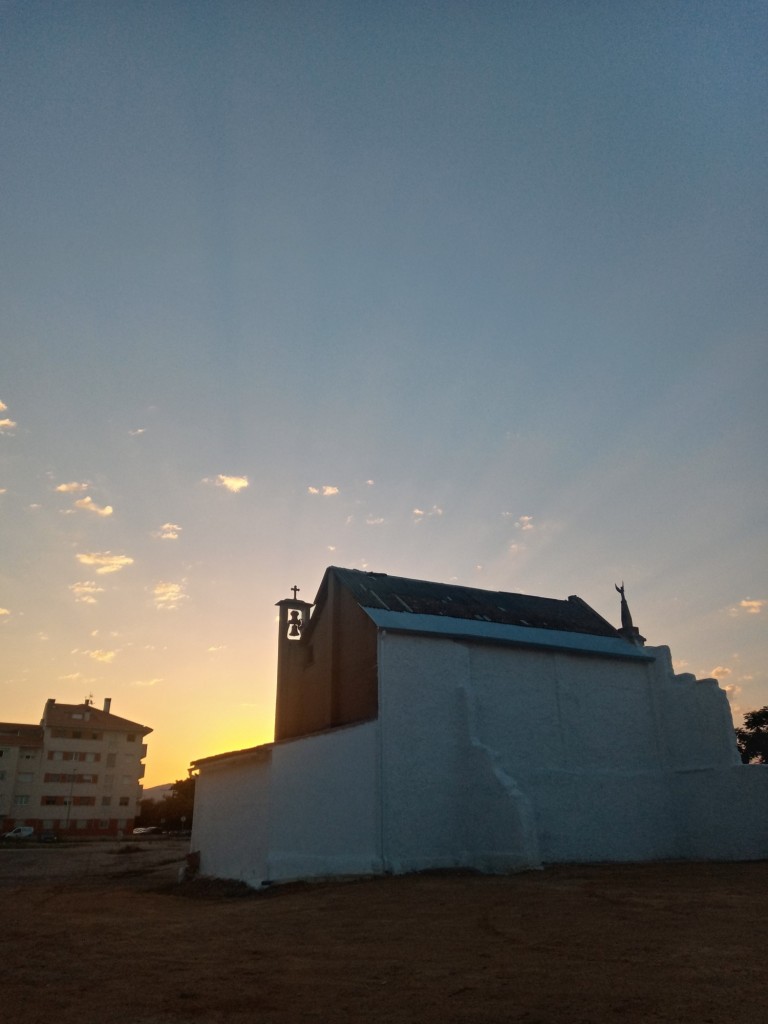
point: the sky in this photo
(470, 293)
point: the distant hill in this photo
(156, 792)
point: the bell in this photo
(294, 626)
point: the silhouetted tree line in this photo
(173, 813)
(752, 737)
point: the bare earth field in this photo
(103, 933)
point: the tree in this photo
(752, 738)
(174, 811)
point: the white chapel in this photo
(424, 725)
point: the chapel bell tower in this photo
(292, 622)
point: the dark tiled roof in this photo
(419, 597)
(73, 716)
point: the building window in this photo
(21, 800)
(2, 775)
(106, 801)
(84, 801)
(131, 737)
(111, 758)
(52, 801)
(25, 776)
(104, 823)
(27, 754)
(125, 801)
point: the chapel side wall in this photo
(579, 733)
(325, 795)
(446, 800)
(231, 819)
(484, 745)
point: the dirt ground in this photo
(104, 933)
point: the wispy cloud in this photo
(7, 424)
(105, 561)
(752, 607)
(168, 531)
(230, 483)
(84, 591)
(5, 611)
(72, 487)
(105, 657)
(748, 607)
(720, 672)
(732, 691)
(90, 506)
(3, 406)
(420, 514)
(524, 523)
(167, 596)
(147, 682)
(374, 520)
(327, 490)
(137, 432)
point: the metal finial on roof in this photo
(628, 629)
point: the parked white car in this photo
(20, 832)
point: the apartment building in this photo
(78, 773)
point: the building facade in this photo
(76, 774)
(423, 725)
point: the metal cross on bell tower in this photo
(294, 616)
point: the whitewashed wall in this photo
(325, 807)
(448, 801)
(295, 809)
(231, 822)
(499, 758)
(495, 758)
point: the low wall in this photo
(231, 821)
(325, 796)
(295, 809)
